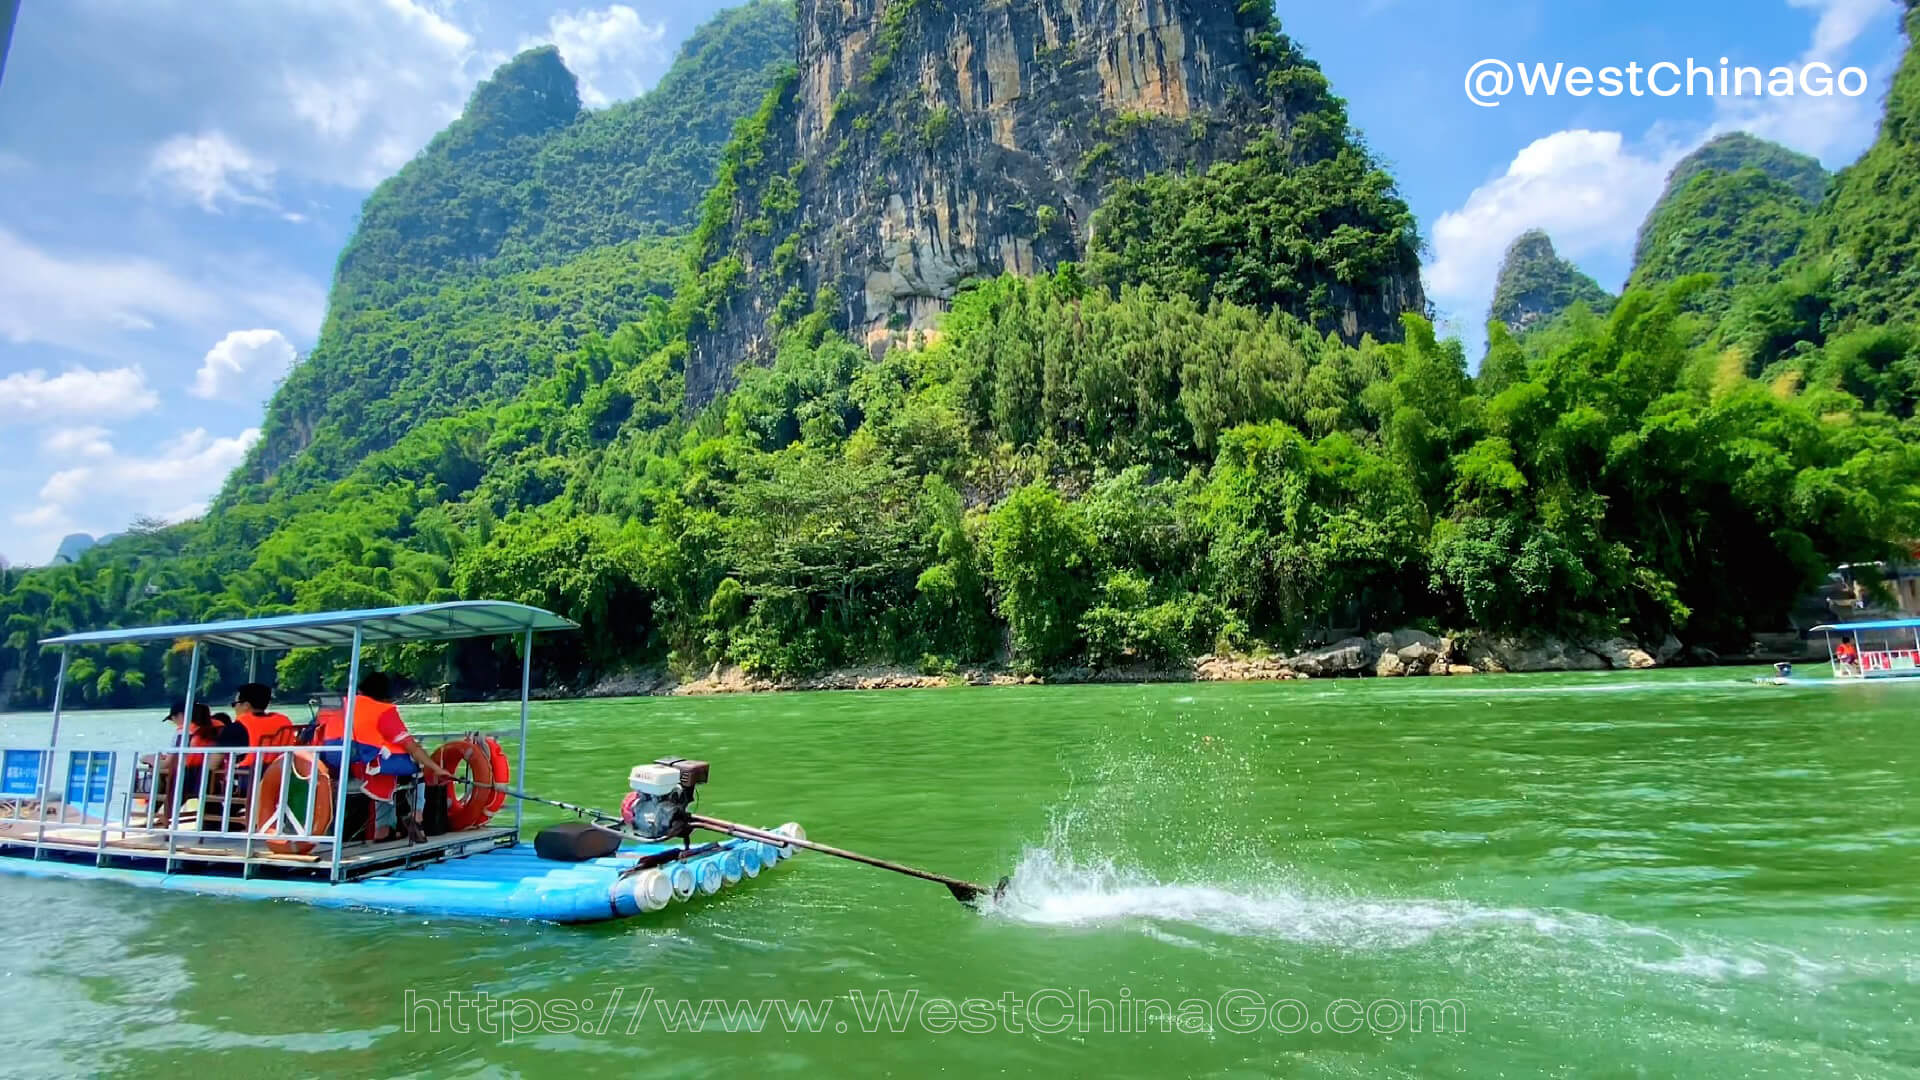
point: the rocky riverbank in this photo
(1399, 654)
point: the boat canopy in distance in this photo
(1850, 627)
(420, 622)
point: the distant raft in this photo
(509, 882)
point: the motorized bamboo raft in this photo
(284, 832)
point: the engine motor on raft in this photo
(660, 806)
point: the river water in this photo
(1665, 874)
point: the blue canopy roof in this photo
(420, 622)
(1883, 624)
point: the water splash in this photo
(1052, 889)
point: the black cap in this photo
(201, 711)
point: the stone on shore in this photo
(1541, 654)
(1621, 653)
(1242, 669)
(1349, 656)
(1410, 652)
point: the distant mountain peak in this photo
(1738, 150)
(1737, 208)
(1536, 285)
(529, 94)
(507, 239)
(72, 546)
(1729, 154)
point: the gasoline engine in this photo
(661, 805)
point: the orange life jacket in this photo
(367, 714)
(259, 727)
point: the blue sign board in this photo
(20, 773)
(88, 776)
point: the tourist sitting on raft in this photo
(1846, 656)
(384, 753)
(203, 732)
(260, 725)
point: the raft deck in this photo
(134, 844)
(477, 876)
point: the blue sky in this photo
(177, 177)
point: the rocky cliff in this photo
(923, 143)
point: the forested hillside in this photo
(1731, 153)
(1128, 461)
(1867, 233)
(1738, 208)
(1843, 310)
(521, 229)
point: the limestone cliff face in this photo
(921, 143)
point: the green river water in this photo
(1665, 874)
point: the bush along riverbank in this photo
(1399, 654)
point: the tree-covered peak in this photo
(1740, 226)
(1738, 150)
(1536, 285)
(1796, 175)
(529, 94)
(442, 299)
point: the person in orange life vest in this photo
(202, 733)
(208, 729)
(382, 741)
(1847, 656)
(250, 707)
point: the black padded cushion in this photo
(575, 841)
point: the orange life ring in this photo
(265, 812)
(466, 810)
(502, 774)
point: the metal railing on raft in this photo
(1889, 660)
(94, 777)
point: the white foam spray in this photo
(1050, 889)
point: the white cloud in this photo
(608, 50)
(277, 296)
(175, 478)
(80, 301)
(44, 516)
(243, 367)
(99, 303)
(209, 169)
(1841, 24)
(76, 442)
(1588, 189)
(170, 479)
(1834, 128)
(304, 90)
(36, 397)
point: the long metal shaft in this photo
(964, 891)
